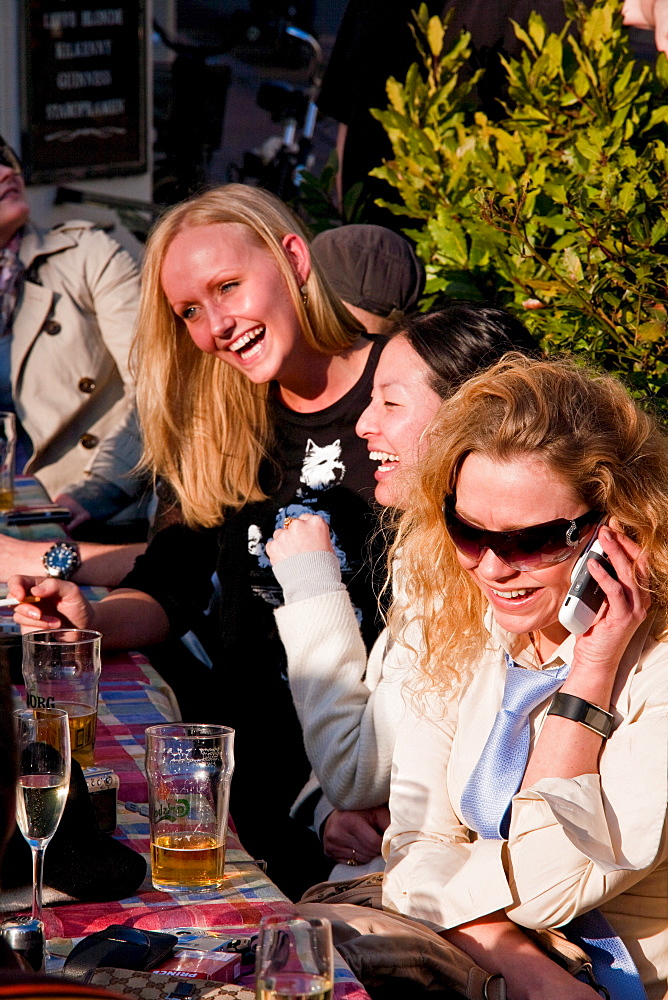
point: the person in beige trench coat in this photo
(71, 335)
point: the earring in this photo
(304, 293)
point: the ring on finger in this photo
(288, 521)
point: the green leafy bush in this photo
(558, 211)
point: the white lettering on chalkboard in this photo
(56, 20)
(82, 50)
(104, 18)
(75, 79)
(85, 109)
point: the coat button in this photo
(89, 440)
(87, 385)
(52, 327)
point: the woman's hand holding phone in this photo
(600, 648)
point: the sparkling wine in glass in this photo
(294, 959)
(43, 743)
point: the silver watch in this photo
(62, 560)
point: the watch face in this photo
(61, 560)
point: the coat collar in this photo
(42, 242)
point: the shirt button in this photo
(52, 327)
(87, 385)
(89, 440)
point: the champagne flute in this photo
(43, 743)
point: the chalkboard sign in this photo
(84, 89)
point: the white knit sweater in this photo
(349, 707)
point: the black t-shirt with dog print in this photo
(219, 592)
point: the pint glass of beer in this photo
(189, 768)
(61, 669)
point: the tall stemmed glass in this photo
(43, 742)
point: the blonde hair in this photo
(590, 433)
(206, 427)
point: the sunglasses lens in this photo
(466, 537)
(532, 548)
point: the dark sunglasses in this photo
(8, 158)
(525, 548)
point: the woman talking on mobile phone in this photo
(530, 774)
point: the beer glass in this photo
(43, 743)
(7, 459)
(61, 669)
(189, 769)
(294, 959)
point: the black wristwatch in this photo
(568, 706)
(62, 560)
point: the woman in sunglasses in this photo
(530, 771)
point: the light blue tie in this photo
(497, 776)
(486, 808)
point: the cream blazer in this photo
(71, 336)
(597, 840)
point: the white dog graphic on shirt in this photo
(322, 467)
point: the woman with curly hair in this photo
(530, 775)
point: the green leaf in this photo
(450, 238)
(572, 264)
(435, 35)
(661, 69)
(652, 331)
(537, 29)
(598, 25)
(659, 231)
(394, 92)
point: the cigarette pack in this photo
(221, 966)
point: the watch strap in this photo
(569, 706)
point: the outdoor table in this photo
(132, 697)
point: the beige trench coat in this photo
(71, 338)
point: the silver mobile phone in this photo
(585, 597)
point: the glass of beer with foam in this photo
(61, 669)
(189, 769)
